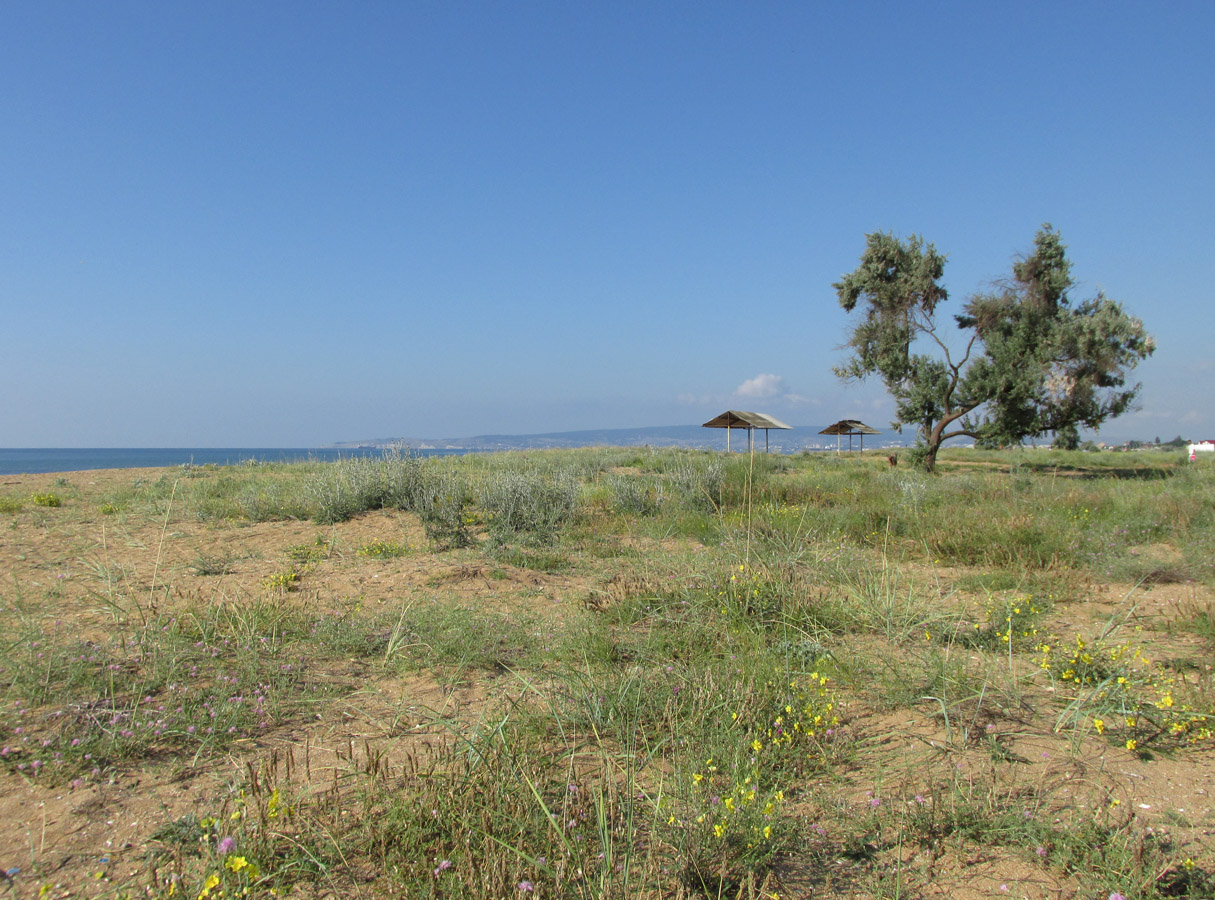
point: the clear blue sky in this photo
(286, 224)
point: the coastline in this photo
(37, 460)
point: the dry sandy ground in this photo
(85, 837)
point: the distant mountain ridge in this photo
(800, 437)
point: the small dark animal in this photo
(893, 460)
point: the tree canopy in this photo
(1030, 363)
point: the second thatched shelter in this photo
(849, 427)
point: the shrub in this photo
(529, 506)
(636, 496)
(441, 502)
(698, 481)
(350, 486)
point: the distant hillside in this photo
(800, 437)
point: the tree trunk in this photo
(930, 458)
(934, 440)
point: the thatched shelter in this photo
(740, 418)
(849, 427)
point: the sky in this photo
(296, 223)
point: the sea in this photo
(25, 461)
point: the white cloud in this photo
(771, 389)
(762, 387)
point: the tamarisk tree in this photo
(1030, 361)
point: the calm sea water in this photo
(25, 461)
